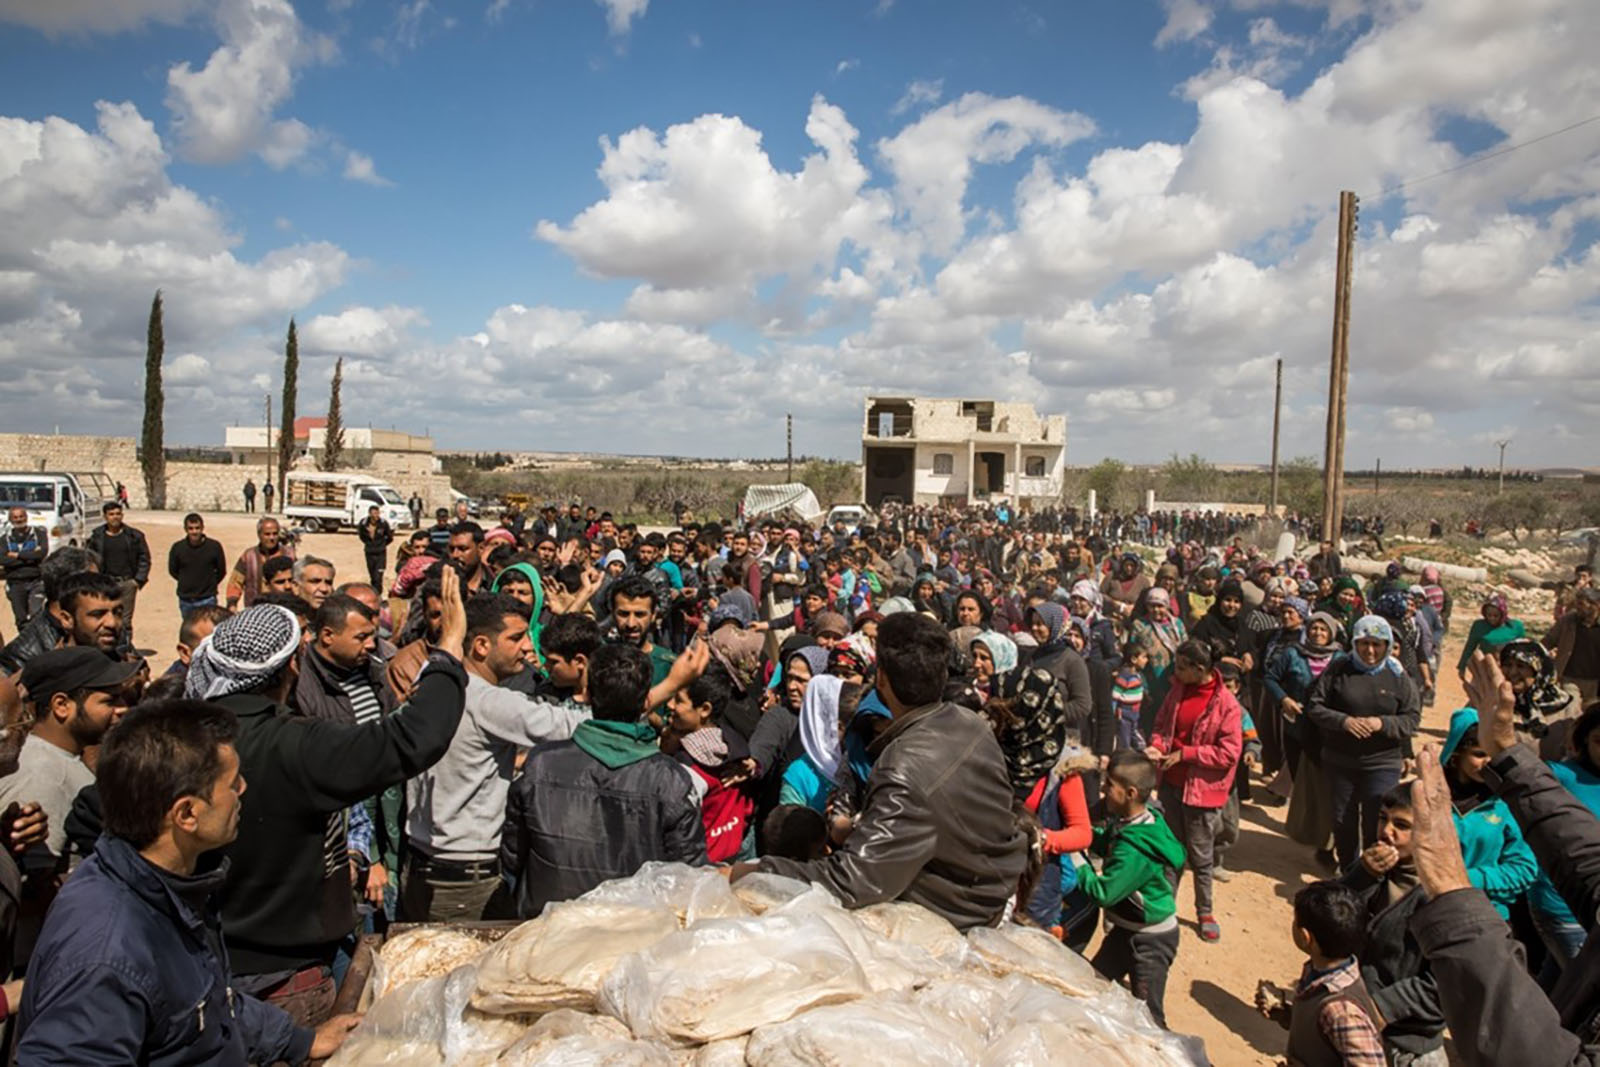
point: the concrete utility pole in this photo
(1502, 446)
(788, 421)
(1277, 414)
(1338, 374)
(1377, 476)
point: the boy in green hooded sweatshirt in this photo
(1134, 885)
(1498, 860)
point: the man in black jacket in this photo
(288, 900)
(936, 827)
(198, 564)
(603, 804)
(124, 555)
(24, 550)
(376, 536)
(1495, 1010)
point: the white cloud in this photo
(918, 94)
(358, 167)
(496, 10)
(362, 331)
(621, 13)
(1186, 20)
(846, 65)
(702, 210)
(94, 226)
(96, 16)
(224, 110)
(932, 159)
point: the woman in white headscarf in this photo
(809, 779)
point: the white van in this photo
(854, 516)
(330, 501)
(55, 501)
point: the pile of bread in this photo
(675, 967)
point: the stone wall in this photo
(206, 487)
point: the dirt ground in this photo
(1212, 987)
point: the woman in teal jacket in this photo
(1495, 627)
(1498, 861)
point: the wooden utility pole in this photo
(788, 422)
(1338, 374)
(1377, 476)
(1277, 414)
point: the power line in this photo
(1485, 157)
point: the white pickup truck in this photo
(330, 501)
(54, 500)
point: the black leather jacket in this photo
(40, 634)
(572, 823)
(936, 827)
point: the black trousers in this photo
(1144, 959)
(375, 571)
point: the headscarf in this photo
(962, 637)
(242, 652)
(1298, 604)
(1374, 628)
(739, 652)
(853, 655)
(829, 622)
(1001, 648)
(1430, 575)
(1543, 698)
(1087, 590)
(535, 579)
(816, 658)
(1392, 605)
(1054, 617)
(1498, 601)
(819, 723)
(895, 605)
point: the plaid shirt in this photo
(1348, 1028)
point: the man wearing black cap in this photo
(77, 695)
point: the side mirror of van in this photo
(68, 507)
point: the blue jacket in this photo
(1498, 860)
(130, 969)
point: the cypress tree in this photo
(291, 375)
(152, 448)
(333, 438)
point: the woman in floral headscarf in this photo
(1492, 630)
(1545, 711)
(1344, 602)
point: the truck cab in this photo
(54, 500)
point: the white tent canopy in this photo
(770, 499)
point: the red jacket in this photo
(1077, 831)
(726, 811)
(1212, 756)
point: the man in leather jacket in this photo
(936, 827)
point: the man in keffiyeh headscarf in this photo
(290, 895)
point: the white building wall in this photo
(929, 486)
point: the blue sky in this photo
(647, 225)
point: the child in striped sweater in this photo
(1127, 695)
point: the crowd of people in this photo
(1002, 717)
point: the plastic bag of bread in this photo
(1112, 1029)
(1033, 953)
(974, 1001)
(761, 892)
(911, 924)
(879, 1031)
(430, 1021)
(728, 1052)
(427, 952)
(587, 1050)
(693, 893)
(559, 959)
(890, 967)
(725, 977)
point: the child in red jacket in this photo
(716, 757)
(1196, 742)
